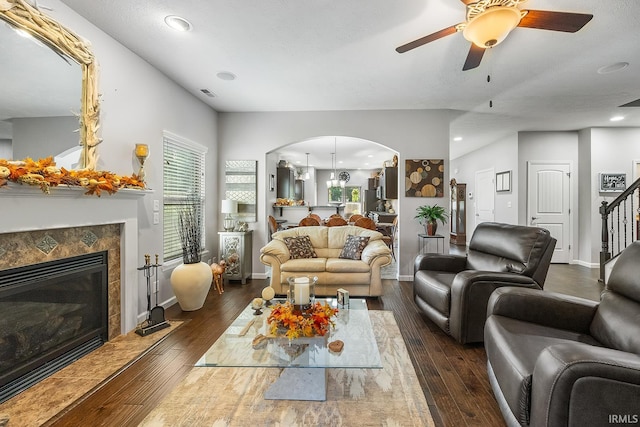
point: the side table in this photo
(423, 240)
(235, 249)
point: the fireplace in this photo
(51, 314)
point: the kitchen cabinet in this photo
(389, 183)
(285, 184)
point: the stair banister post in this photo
(604, 253)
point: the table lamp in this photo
(229, 207)
(142, 152)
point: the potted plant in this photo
(429, 217)
(191, 280)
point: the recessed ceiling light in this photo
(226, 75)
(178, 23)
(613, 68)
(616, 118)
(370, 155)
(457, 138)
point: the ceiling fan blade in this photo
(426, 39)
(555, 21)
(473, 58)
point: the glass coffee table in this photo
(305, 360)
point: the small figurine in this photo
(218, 270)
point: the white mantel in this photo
(28, 208)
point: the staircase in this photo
(620, 225)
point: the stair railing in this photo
(620, 223)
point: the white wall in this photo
(138, 103)
(412, 133)
(500, 156)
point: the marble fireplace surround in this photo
(73, 220)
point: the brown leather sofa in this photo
(453, 290)
(556, 360)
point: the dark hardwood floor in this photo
(453, 377)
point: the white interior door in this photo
(549, 204)
(485, 196)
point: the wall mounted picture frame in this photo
(503, 181)
(610, 182)
(424, 178)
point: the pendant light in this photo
(332, 177)
(306, 175)
(334, 174)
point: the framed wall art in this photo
(241, 185)
(503, 181)
(612, 182)
(424, 178)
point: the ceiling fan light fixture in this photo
(492, 26)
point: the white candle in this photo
(301, 291)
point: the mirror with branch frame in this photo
(28, 19)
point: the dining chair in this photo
(316, 217)
(308, 222)
(336, 222)
(273, 226)
(355, 217)
(366, 223)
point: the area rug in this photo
(221, 397)
(52, 395)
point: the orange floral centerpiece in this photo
(316, 320)
(44, 174)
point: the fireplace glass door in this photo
(50, 314)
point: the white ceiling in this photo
(308, 55)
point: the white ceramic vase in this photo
(191, 284)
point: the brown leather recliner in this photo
(557, 360)
(453, 290)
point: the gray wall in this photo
(6, 149)
(413, 133)
(549, 147)
(612, 150)
(500, 156)
(590, 151)
(40, 137)
(138, 102)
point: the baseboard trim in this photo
(585, 263)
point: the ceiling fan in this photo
(489, 22)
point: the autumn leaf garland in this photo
(45, 174)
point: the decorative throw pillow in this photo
(300, 247)
(354, 246)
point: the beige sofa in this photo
(359, 277)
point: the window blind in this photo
(183, 187)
